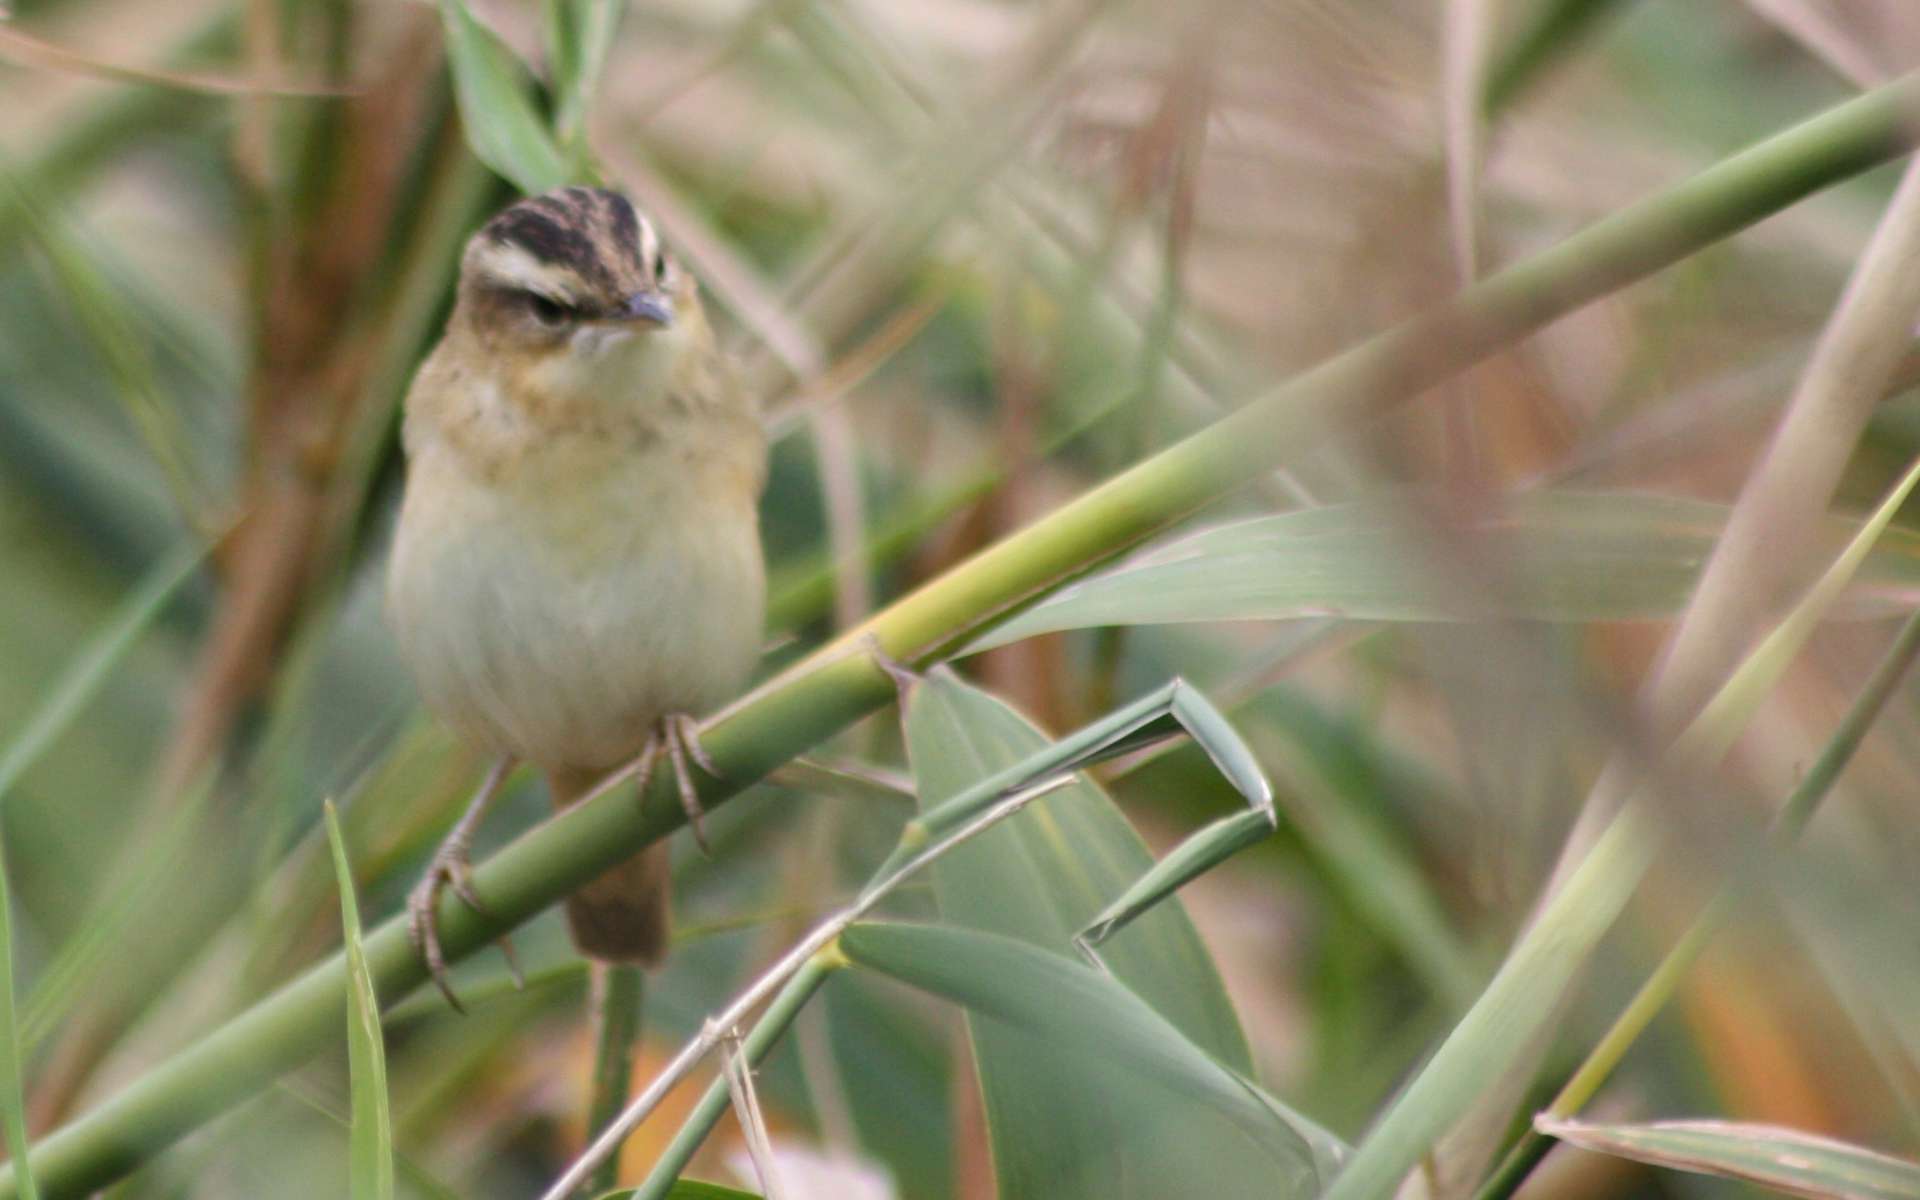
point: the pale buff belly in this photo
(558, 622)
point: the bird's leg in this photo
(452, 867)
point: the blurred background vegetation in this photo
(975, 256)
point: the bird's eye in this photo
(546, 310)
(659, 264)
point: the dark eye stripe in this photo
(547, 310)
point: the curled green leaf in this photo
(496, 106)
(1198, 854)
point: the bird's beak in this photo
(650, 308)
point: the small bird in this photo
(577, 564)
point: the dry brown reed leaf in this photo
(1467, 35)
(1829, 36)
(1761, 554)
(27, 50)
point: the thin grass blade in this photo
(1784, 1160)
(94, 956)
(1721, 720)
(13, 1102)
(95, 663)
(370, 1136)
(104, 314)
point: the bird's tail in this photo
(621, 916)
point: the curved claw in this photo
(678, 736)
(687, 730)
(682, 735)
(423, 930)
(459, 876)
(689, 795)
(451, 868)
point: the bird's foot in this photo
(452, 867)
(678, 736)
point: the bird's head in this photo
(572, 274)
